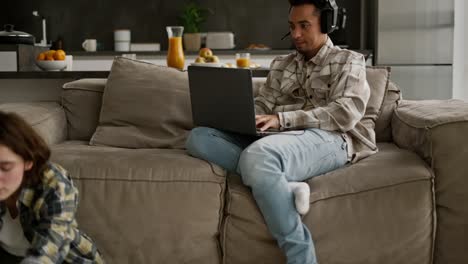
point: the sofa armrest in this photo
(438, 131)
(418, 125)
(47, 118)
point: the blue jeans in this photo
(266, 165)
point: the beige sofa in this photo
(406, 204)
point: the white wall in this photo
(460, 54)
(465, 30)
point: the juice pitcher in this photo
(175, 53)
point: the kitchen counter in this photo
(366, 53)
(54, 74)
(98, 64)
(187, 53)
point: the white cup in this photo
(122, 35)
(122, 46)
(69, 62)
(89, 45)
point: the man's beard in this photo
(301, 50)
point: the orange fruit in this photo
(41, 56)
(59, 56)
(49, 57)
(50, 52)
(61, 52)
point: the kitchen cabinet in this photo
(18, 57)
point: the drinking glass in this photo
(243, 60)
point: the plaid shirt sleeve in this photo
(52, 237)
(348, 99)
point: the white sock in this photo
(301, 192)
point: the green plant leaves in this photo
(193, 16)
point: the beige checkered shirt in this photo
(329, 92)
(47, 215)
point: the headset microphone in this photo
(285, 36)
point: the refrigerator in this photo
(415, 38)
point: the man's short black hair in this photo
(319, 4)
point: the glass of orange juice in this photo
(175, 52)
(243, 60)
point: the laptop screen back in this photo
(222, 98)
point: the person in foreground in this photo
(321, 90)
(38, 202)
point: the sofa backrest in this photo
(82, 101)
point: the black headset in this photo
(328, 16)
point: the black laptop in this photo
(222, 98)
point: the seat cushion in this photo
(144, 106)
(146, 205)
(379, 210)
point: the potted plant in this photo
(191, 18)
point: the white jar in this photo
(122, 46)
(122, 35)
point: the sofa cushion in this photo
(144, 106)
(413, 121)
(146, 205)
(379, 210)
(47, 118)
(383, 129)
(82, 100)
(378, 78)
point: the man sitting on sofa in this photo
(321, 90)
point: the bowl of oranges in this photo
(51, 60)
